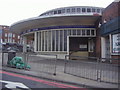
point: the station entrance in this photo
(81, 46)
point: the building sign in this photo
(83, 47)
(116, 43)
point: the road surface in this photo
(12, 80)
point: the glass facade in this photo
(56, 40)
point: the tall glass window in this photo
(65, 40)
(78, 9)
(83, 10)
(83, 32)
(78, 32)
(55, 12)
(73, 9)
(93, 9)
(88, 32)
(61, 40)
(53, 40)
(92, 32)
(88, 9)
(63, 10)
(68, 10)
(56, 40)
(98, 10)
(59, 11)
(69, 32)
(49, 40)
(74, 32)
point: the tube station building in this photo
(64, 31)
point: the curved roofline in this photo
(42, 17)
(57, 15)
(58, 19)
(39, 22)
(71, 7)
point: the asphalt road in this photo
(12, 80)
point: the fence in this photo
(94, 69)
(109, 70)
(41, 63)
(86, 67)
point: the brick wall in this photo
(5, 29)
(111, 11)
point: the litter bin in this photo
(11, 55)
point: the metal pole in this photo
(98, 70)
(24, 58)
(2, 58)
(55, 66)
(65, 63)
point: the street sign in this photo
(10, 84)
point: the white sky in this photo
(12, 11)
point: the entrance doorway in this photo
(78, 46)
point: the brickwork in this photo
(7, 34)
(111, 12)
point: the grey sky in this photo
(12, 11)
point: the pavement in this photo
(62, 77)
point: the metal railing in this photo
(92, 68)
(81, 67)
(109, 70)
(41, 63)
(86, 67)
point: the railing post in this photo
(55, 66)
(26, 61)
(25, 58)
(65, 63)
(98, 69)
(2, 58)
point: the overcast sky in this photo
(12, 11)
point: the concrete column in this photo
(110, 38)
(35, 41)
(38, 41)
(24, 44)
(67, 45)
(103, 52)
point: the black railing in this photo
(85, 67)
(95, 69)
